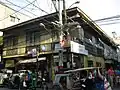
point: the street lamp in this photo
(50, 32)
(43, 25)
(77, 2)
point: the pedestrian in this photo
(17, 81)
(111, 76)
(34, 80)
(99, 80)
(105, 84)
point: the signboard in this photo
(33, 60)
(0, 58)
(65, 41)
(9, 63)
(33, 52)
(78, 48)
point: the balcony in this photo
(100, 52)
(43, 48)
(13, 52)
(93, 49)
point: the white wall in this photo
(118, 52)
(5, 19)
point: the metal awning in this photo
(33, 60)
(109, 61)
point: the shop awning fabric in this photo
(33, 60)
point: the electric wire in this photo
(37, 7)
(23, 42)
(99, 20)
(102, 20)
(109, 23)
(112, 17)
(50, 22)
(41, 9)
(21, 7)
(8, 5)
(71, 19)
(17, 11)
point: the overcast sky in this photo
(95, 9)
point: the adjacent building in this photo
(9, 16)
(87, 45)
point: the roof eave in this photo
(94, 25)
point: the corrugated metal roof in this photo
(69, 11)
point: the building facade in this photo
(9, 16)
(86, 44)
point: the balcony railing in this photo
(93, 49)
(11, 52)
(15, 51)
(23, 50)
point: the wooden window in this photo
(45, 47)
(90, 63)
(30, 38)
(12, 18)
(37, 37)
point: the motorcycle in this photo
(82, 84)
(39, 82)
(44, 84)
(11, 84)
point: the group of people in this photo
(20, 80)
(24, 79)
(99, 79)
(106, 79)
(35, 79)
(29, 80)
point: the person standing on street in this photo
(104, 83)
(34, 78)
(111, 75)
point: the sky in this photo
(95, 9)
(98, 9)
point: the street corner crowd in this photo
(113, 76)
(106, 79)
(94, 79)
(24, 81)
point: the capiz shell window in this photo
(45, 47)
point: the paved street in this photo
(41, 89)
(117, 88)
(14, 89)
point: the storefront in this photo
(31, 63)
(78, 53)
(93, 61)
(109, 63)
(10, 64)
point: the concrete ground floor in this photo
(115, 88)
(94, 61)
(50, 62)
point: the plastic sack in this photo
(24, 84)
(107, 85)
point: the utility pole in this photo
(60, 12)
(63, 22)
(61, 25)
(65, 14)
(54, 3)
